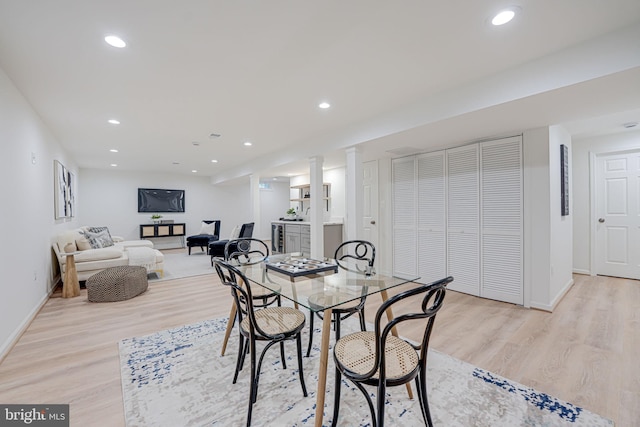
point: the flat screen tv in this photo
(160, 200)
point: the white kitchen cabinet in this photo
(292, 238)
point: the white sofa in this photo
(93, 260)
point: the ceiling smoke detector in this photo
(214, 135)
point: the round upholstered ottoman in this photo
(117, 283)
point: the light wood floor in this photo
(586, 352)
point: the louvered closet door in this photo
(501, 201)
(404, 217)
(463, 205)
(432, 220)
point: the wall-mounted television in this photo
(160, 200)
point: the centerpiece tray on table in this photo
(301, 267)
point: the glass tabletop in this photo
(320, 291)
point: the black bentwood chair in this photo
(357, 256)
(248, 252)
(217, 248)
(272, 324)
(380, 359)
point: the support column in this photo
(353, 193)
(317, 207)
(254, 194)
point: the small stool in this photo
(117, 283)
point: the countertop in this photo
(305, 222)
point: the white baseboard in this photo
(13, 338)
(581, 271)
(556, 300)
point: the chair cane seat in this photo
(356, 352)
(276, 320)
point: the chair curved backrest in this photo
(246, 251)
(246, 231)
(431, 303)
(362, 251)
(241, 291)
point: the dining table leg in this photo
(324, 360)
(394, 332)
(227, 333)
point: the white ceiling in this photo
(414, 75)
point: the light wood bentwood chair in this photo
(382, 360)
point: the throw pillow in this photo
(208, 228)
(98, 237)
(235, 233)
(83, 243)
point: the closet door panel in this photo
(502, 220)
(404, 217)
(463, 219)
(431, 217)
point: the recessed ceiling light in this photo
(175, 163)
(275, 178)
(214, 135)
(503, 17)
(214, 161)
(194, 171)
(114, 121)
(115, 41)
(324, 105)
(113, 165)
(113, 150)
(630, 125)
(248, 144)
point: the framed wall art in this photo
(64, 192)
(564, 180)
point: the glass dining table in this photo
(327, 289)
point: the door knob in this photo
(601, 220)
(373, 221)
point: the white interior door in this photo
(463, 219)
(370, 202)
(432, 217)
(501, 219)
(618, 215)
(404, 217)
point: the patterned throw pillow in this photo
(98, 237)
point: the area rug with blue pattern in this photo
(178, 378)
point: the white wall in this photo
(561, 231)
(582, 200)
(274, 203)
(548, 244)
(110, 198)
(26, 211)
(337, 177)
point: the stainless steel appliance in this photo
(277, 238)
